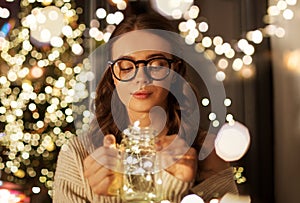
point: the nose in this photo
(141, 76)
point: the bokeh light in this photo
(232, 141)
(193, 198)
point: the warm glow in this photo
(292, 60)
(242, 43)
(255, 36)
(232, 141)
(229, 118)
(205, 102)
(291, 2)
(281, 5)
(206, 41)
(212, 116)
(166, 7)
(247, 60)
(227, 102)
(218, 40)
(182, 27)
(194, 12)
(273, 11)
(189, 39)
(249, 49)
(280, 32)
(4, 12)
(36, 72)
(270, 29)
(220, 76)
(192, 199)
(122, 5)
(231, 198)
(247, 72)
(43, 50)
(223, 63)
(36, 190)
(176, 14)
(77, 49)
(45, 23)
(288, 14)
(237, 64)
(191, 24)
(203, 27)
(119, 16)
(230, 53)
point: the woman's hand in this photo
(178, 158)
(100, 168)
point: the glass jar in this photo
(141, 180)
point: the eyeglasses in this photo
(125, 69)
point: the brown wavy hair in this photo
(108, 104)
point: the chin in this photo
(142, 108)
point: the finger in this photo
(99, 176)
(100, 153)
(109, 141)
(115, 185)
(103, 157)
(102, 187)
(91, 170)
(111, 163)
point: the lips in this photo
(141, 94)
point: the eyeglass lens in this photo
(157, 68)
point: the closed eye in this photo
(155, 68)
(126, 69)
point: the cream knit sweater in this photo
(70, 186)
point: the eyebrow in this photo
(156, 55)
(148, 57)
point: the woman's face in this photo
(142, 93)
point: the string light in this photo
(232, 141)
(56, 97)
(167, 7)
(219, 47)
(37, 148)
(192, 199)
(231, 198)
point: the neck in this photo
(142, 117)
(156, 119)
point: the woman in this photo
(141, 84)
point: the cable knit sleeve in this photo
(69, 182)
(217, 185)
(173, 188)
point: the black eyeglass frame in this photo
(145, 62)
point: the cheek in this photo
(123, 93)
(125, 90)
(165, 84)
(163, 95)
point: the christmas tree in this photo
(42, 55)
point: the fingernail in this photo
(108, 141)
